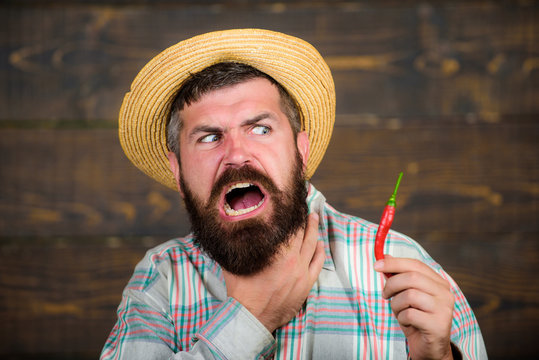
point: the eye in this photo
(209, 138)
(261, 130)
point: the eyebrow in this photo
(209, 129)
(204, 129)
(257, 119)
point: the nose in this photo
(237, 153)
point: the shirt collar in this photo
(316, 202)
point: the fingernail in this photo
(379, 265)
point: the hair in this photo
(215, 77)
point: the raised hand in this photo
(423, 305)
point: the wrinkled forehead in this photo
(255, 101)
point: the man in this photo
(236, 121)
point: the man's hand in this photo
(275, 295)
(423, 304)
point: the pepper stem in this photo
(392, 199)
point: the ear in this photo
(175, 168)
(302, 143)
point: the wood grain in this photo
(445, 91)
(410, 59)
(472, 178)
(475, 212)
(59, 295)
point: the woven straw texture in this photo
(294, 63)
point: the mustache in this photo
(245, 173)
(248, 246)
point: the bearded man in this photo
(237, 121)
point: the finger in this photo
(424, 321)
(413, 298)
(414, 317)
(317, 262)
(402, 265)
(405, 264)
(296, 242)
(414, 280)
(310, 237)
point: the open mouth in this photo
(242, 198)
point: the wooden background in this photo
(445, 91)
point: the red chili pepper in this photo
(385, 224)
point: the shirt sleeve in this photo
(232, 332)
(465, 333)
(142, 332)
(146, 329)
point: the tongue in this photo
(250, 198)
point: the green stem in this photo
(392, 199)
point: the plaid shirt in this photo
(175, 305)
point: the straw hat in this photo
(292, 62)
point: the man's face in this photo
(241, 174)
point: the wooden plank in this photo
(457, 178)
(495, 280)
(59, 295)
(79, 182)
(469, 196)
(444, 91)
(472, 178)
(414, 60)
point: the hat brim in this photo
(292, 62)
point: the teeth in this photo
(239, 186)
(231, 212)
